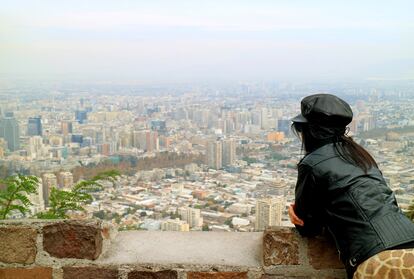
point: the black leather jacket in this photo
(357, 208)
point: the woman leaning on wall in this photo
(341, 189)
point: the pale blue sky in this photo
(207, 40)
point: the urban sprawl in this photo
(219, 158)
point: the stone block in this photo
(217, 275)
(74, 272)
(73, 240)
(17, 244)
(280, 246)
(266, 276)
(164, 274)
(26, 273)
(322, 253)
(106, 232)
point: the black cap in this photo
(324, 109)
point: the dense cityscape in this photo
(191, 157)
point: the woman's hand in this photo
(293, 217)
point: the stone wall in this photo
(66, 249)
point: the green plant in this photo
(14, 197)
(62, 201)
(229, 222)
(205, 228)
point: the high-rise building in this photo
(9, 130)
(214, 154)
(34, 126)
(77, 138)
(229, 126)
(38, 203)
(269, 212)
(124, 139)
(49, 180)
(256, 118)
(159, 126)
(81, 116)
(65, 179)
(283, 125)
(264, 118)
(87, 141)
(192, 216)
(152, 141)
(164, 141)
(229, 152)
(201, 117)
(175, 225)
(104, 149)
(146, 140)
(56, 140)
(66, 127)
(36, 146)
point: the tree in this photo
(61, 201)
(205, 228)
(249, 160)
(14, 197)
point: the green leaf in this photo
(63, 201)
(14, 197)
(23, 199)
(20, 208)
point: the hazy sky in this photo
(196, 40)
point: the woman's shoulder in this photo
(319, 155)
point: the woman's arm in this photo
(293, 217)
(308, 203)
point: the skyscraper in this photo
(48, 181)
(229, 152)
(146, 140)
(152, 143)
(36, 146)
(283, 125)
(269, 212)
(38, 204)
(34, 126)
(66, 127)
(104, 149)
(9, 130)
(192, 216)
(81, 116)
(214, 154)
(264, 121)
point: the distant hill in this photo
(130, 165)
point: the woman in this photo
(340, 188)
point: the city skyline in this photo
(206, 159)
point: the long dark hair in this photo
(314, 136)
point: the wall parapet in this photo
(65, 249)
